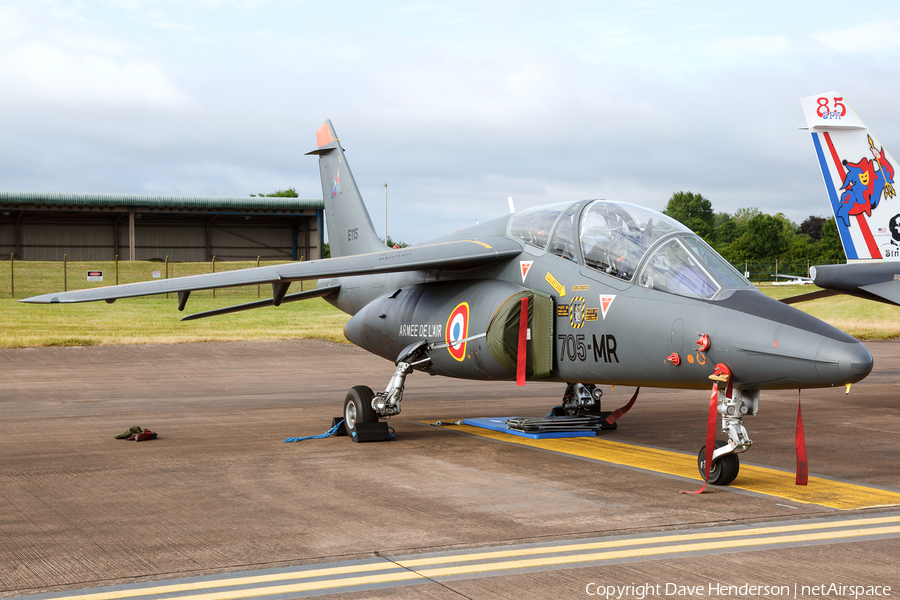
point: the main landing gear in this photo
(579, 399)
(364, 407)
(733, 405)
(583, 400)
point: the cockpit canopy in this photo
(620, 240)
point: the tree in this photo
(802, 248)
(830, 248)
(742, 216)
(765, 238)
(391, 243)
(727, 232)
(721, 218)
(692, 210)
(288, 193)
(812, 227)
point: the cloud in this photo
(870, 38)
(457, 108)
(741, 48)
(41, 72)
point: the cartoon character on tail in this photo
(864, 184)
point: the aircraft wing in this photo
(455, 255)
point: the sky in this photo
(455, 105)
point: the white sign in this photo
(155, 274)
(95, 275)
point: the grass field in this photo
(863, 319)
(151, 319)
(156, 320)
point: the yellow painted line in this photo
(762, 480)
(642, 541)
(657, 550)
(547, 561)
(235, 581)
(293, 588)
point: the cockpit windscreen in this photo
(614, 236)
(533, 225)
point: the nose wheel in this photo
(358, 409)
(723, 470)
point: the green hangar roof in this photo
(149, 202)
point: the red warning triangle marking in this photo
(605, 302)
(525, 264)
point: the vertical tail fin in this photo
(859, 177)
(350, 230)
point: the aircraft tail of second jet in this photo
(859, 178)
(350, 230)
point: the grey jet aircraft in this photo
(582, 293)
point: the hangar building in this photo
(46, 226)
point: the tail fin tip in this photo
(325, 134)
(829, 111)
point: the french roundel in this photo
(457, 331)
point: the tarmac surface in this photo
(220, 507)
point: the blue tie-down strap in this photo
(328, 433)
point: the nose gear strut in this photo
(732, 405)
(387, 403)
(733, 409)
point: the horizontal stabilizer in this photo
(888, 290)
(316, 293)
(456, 255)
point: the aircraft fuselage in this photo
(605, 330)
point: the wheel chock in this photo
(340, 430)
(373, 432)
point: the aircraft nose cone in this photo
(839, 362)
(861, 363)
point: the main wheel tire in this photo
(358, 409)
(723, 470)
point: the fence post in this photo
(214, 270)
(12, 277)
(65, 274)
(257, 287)
(167, 273)
(117, 269)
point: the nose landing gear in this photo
(732, 404)
(363, 407)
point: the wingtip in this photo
(45, 299)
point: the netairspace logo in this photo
(718, 590)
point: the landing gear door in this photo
(503, 333)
